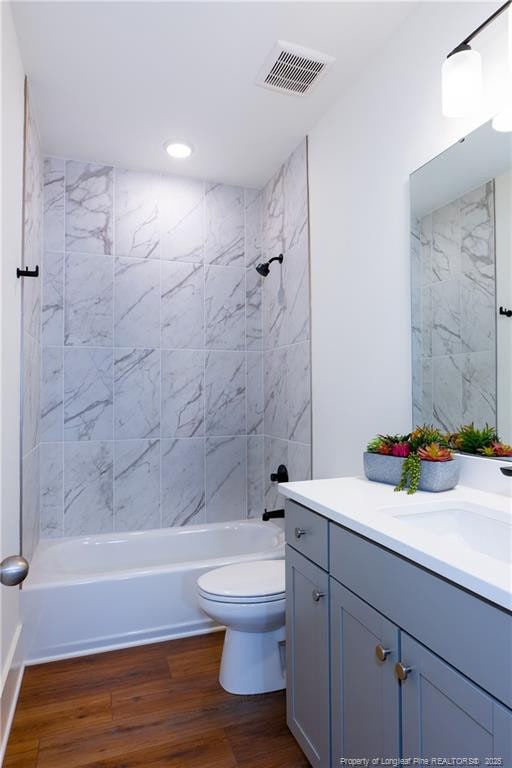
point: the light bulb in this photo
(462, 82)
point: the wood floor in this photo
(153, 706)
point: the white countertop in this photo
(370, 509)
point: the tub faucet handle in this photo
(281, 476)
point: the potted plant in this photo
(420, 460)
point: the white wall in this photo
(10, 290)
(360, 157)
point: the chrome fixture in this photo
(381, 652)
(264, 268)
(13, 570)
(401, 671)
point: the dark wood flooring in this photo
(153, 706)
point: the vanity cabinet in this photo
(399, 661)
(364, 692)
(444, 714)
(307, 656)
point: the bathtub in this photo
(96, 593)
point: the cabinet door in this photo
(365, 693)
(445, 715)
(307, 656)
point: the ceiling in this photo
(112, 81)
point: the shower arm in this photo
(276, 258)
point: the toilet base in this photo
(253, 662)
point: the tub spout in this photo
(270, 514)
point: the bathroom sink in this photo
(461, 524)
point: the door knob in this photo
(317, 595)
(381, 652)
(401, 671)
(13, 570)
(299, 532)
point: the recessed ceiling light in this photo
(178, 149)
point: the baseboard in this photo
(12, 675)
(130, 641)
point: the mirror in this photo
(461, 260)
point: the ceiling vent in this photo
(290, 68)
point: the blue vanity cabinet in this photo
(307, 656)
(365, 695)
(400, 661)
(445, 715)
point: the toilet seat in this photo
(257, 582)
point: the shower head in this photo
(264, 268)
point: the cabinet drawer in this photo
(472, 635)
(308, 533)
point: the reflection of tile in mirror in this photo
(477, 238)
(446, 241)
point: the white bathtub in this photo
(91, 593)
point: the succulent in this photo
(386, 444)
(401, 449)
(411, 473)
(435, 452)
(426, 435)
(374, 445)
(472, 440)
(394, 439)
(497, 449)
(453, 440)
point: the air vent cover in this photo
(290, 68)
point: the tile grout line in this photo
(63, 339)
(246, 363)
(114, 251)
(159, 210)
(205, 443)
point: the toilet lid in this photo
(264, 578)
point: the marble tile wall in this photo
(285, 433)
(31, 340)
(152, 365)
(174, 377)
(454, 313)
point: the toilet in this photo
(249, 600)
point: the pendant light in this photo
(462, 82)
(462, 74)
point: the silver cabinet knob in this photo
(381, 652)
(317, 595)
(401, 671)
(300, 532)
(13, 570)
